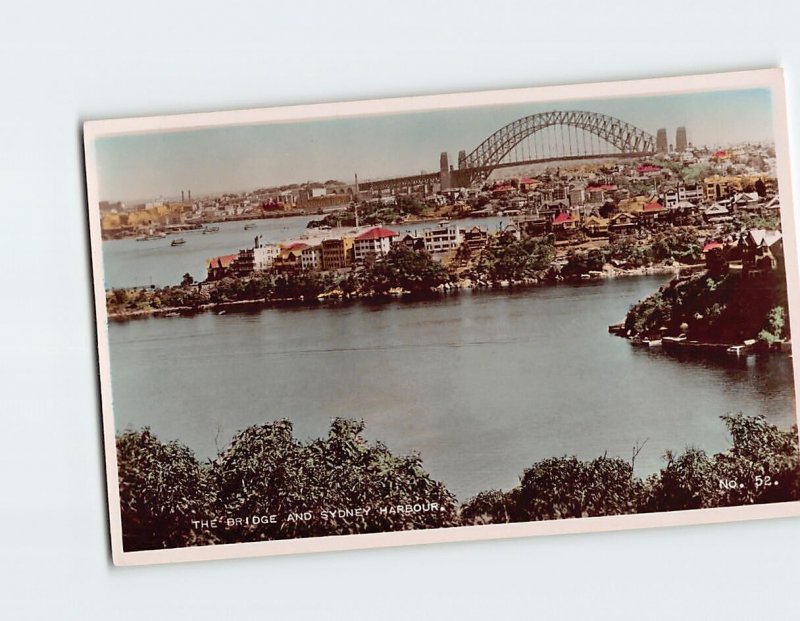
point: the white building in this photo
(375, 242)
(264, 256)
(442, 239)
(311, 257)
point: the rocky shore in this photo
(338, 295)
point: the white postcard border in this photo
(762, 78)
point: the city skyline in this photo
(239, 158)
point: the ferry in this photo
(178, 242)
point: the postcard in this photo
(446, 318)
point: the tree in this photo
(776, 319)
(187, 280)
(686, 482)
(402, 267)
(568, 488)
(512, 260)
(161, 488)
(490, 507)
(265, 471)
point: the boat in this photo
(735, 350)
(653, 343)
(173, 314)
(249, 225)
(178, 242)
(211, 229)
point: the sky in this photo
(238, 158)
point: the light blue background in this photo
(62, 63)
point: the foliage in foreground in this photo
(760, 467)
(266, 472)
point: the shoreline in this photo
(449, 288)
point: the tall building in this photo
(680, 140)
(661, 141)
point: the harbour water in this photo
(482, 384)
(131, 263)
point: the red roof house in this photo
(712, 246)
(378, 232)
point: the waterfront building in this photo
(373, 243)
(512, 230)
(287, 198)
(476, 238)
(264, 256)
(244, 264)
(311, 258)
(442, 239)
(290, 258)
(219, 267)
(413, 242)
(337, 253)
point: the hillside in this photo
(727, 308)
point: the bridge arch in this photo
(624, 136)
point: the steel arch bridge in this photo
(627, 138)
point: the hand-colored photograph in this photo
(447, 317)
